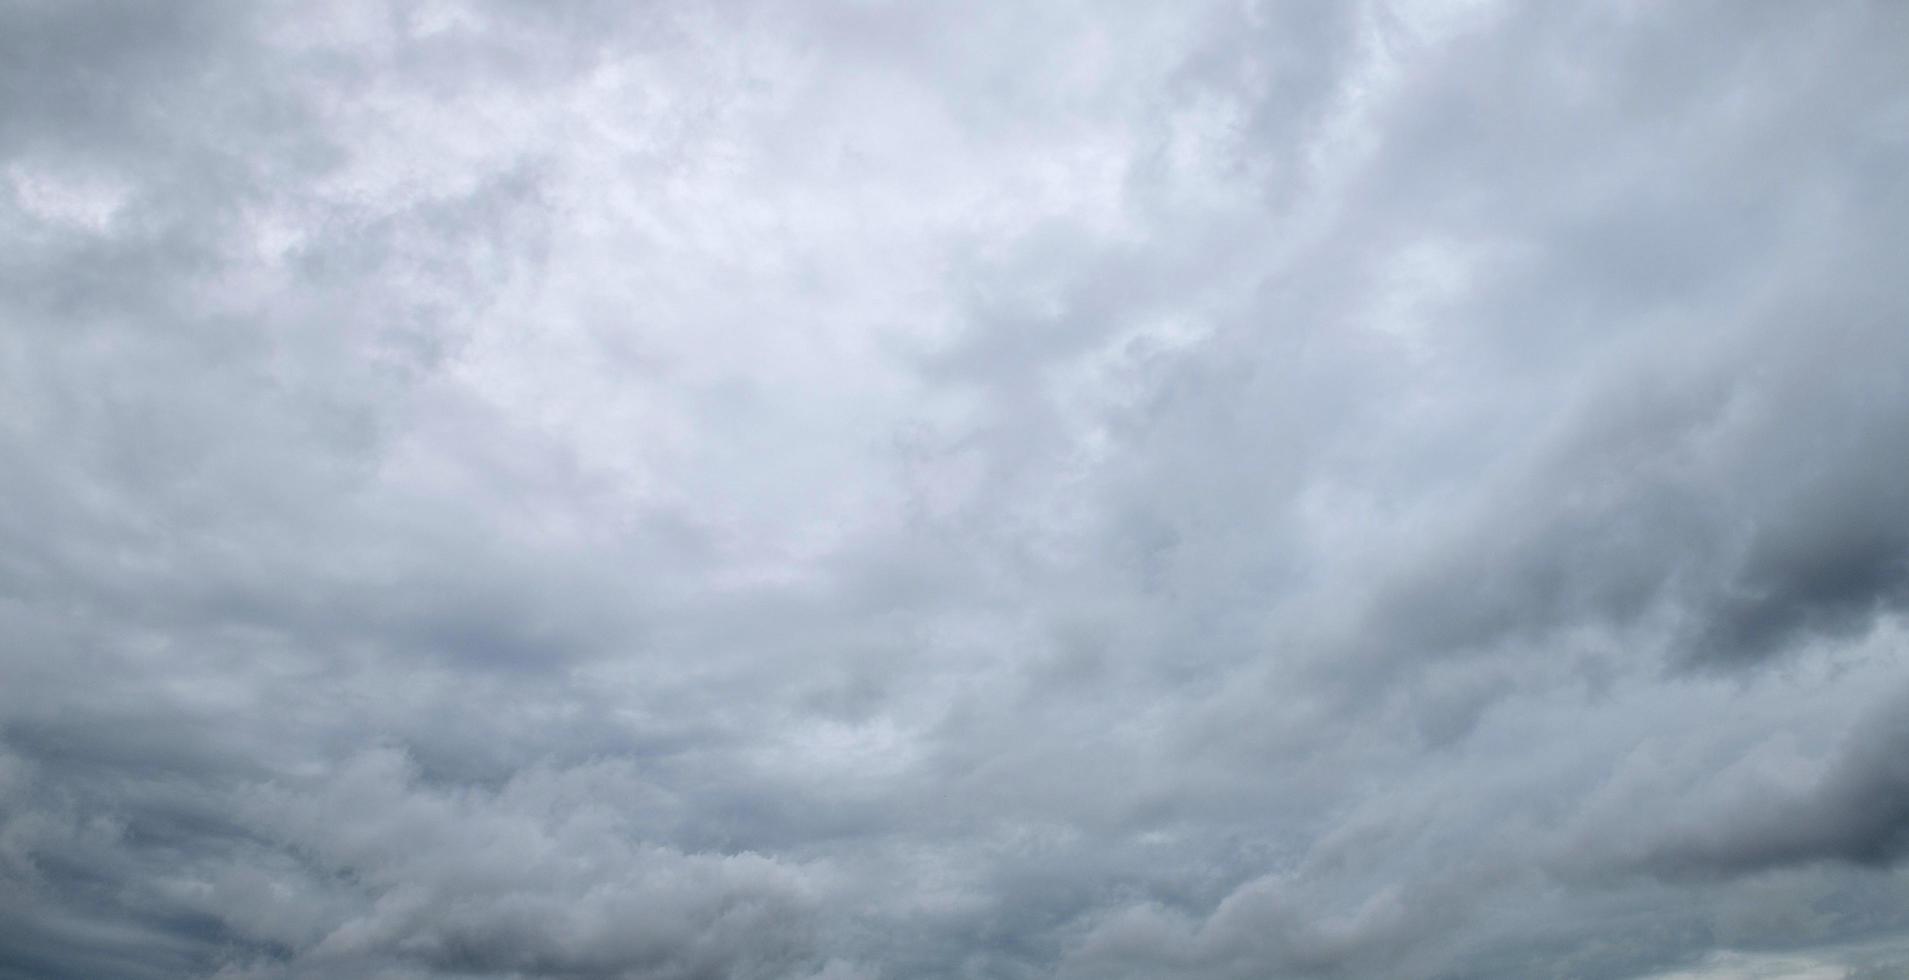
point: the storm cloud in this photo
(862, 490)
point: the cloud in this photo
(874, 490)
(1852, 812)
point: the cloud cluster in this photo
(862, 490)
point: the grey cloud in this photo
(1856, 812)
(548, 874)
(874, 490)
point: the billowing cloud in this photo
(863, 490)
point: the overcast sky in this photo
(871, 490)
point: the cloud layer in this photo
(869, 490)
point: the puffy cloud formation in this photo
(862, 490)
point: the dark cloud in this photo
(1855, 812)
(1319, 490)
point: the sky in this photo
(865, 490)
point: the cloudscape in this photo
(877, 490)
